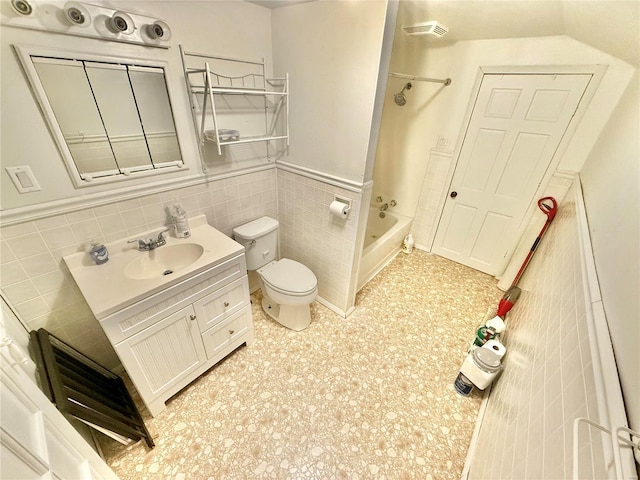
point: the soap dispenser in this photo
(180, 222)
(99, 253)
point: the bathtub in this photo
(383, 241)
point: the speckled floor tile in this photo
(370, 396)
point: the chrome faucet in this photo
(151, 244)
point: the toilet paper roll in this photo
(339, 209)
(496, 347)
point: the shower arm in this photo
(446, 81)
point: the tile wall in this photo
(312, 236)
(548, 377)
(429, 206)
(35, 279)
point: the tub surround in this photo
(367, 397)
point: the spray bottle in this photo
(407, 246)
(180, 222)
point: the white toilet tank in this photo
(260, 240)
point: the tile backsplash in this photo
(35, 280)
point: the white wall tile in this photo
(111, 223)
(86, 231)
(548, 351)
(22, 291)
(49, 282)
(18, 230)
(32, 252)
(125, 205)
(312, 236)
(39, 264)
(11, 273)
(50, 222)
(27, 245)
(32, 309)
(6, 255)
(79, 216)
(58, 237)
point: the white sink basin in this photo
(130, 275)
(163, 261)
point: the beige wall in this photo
(230, 28)
(410, 132)
(332, 103)
(331, 50)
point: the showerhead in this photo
(399, 98)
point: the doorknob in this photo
(453, 194)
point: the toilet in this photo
(288, 287)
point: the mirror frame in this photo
(25, 52)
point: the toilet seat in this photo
(289, 277)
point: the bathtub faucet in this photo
(384, 206)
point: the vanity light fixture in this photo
(77, 14)
(121, 22)
(159, 30)
(22, 7)
(75, 17)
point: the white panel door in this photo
(514, 132)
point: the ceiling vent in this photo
(426, 28)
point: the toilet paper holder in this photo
(346, 201)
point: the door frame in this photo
(597, 73)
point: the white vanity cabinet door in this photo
(163, 354)
(216, 306)
(224, 337)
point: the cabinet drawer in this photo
(216, 306)
(221, 336)
(145, 313)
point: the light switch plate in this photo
(23, 179)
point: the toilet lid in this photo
(289, 276)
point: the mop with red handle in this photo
(495, 326)
(549, 207)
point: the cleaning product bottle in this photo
(180, 222)
(99, 253)
(408, 244)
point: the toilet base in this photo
(295, 317)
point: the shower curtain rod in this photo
(446, 81)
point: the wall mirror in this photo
(110, 117)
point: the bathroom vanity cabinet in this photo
(169, 329)
(171, 338)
